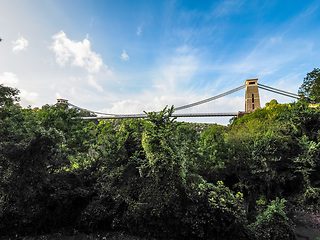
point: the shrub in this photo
(273, 222)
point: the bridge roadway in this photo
(173, 115)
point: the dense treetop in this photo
(310, 89)
(158, 177)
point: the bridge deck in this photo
(173, 115)
(121, 116)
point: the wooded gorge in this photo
(158, 177)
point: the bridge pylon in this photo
(252, 99)
(61, 101)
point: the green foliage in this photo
(160, 147)
(306, 161)
(8, 95)
(300, 119)
(272, 103)
(157, 177)
(29, 154)
(273, 222)
(215, 153)
(213, 141)
(222, 198)
(259, 164)
(200, 127)
(33, 150)
(166, 166)
(310, 88)
(174, 197)
(311, 198)
(147, 174)
(76, 132)
(214, 212)
(274, 153)
(276, 206)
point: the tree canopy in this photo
(158, 177)
(8, 95)
(310, 88)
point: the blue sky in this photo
(129, 56)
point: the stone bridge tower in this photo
(61, 101)
(252, 99)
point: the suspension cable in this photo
(264, 87)
(281, 93)
(279, 90)
(210, 99)
(175, 109)
(87, 110)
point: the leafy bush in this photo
(273, 222)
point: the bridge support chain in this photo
(278, 91)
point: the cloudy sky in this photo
(128, 56)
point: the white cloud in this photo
(78, 53)
(149, 102)
(173, 72)
(124, 56)
(127, 106)
(20, 44)
(138, 106)
(58, 95)
(178, 69)
(72, 91)
(139, 31)
(9, 79)
(92, 82)
(227, 7)
(275, 40)
(28, 98)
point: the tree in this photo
(29, 156)
(67, 121)
(8, 95)
(310, 88)
(272, 103)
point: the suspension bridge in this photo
(252, 102)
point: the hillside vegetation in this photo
(157, 177)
